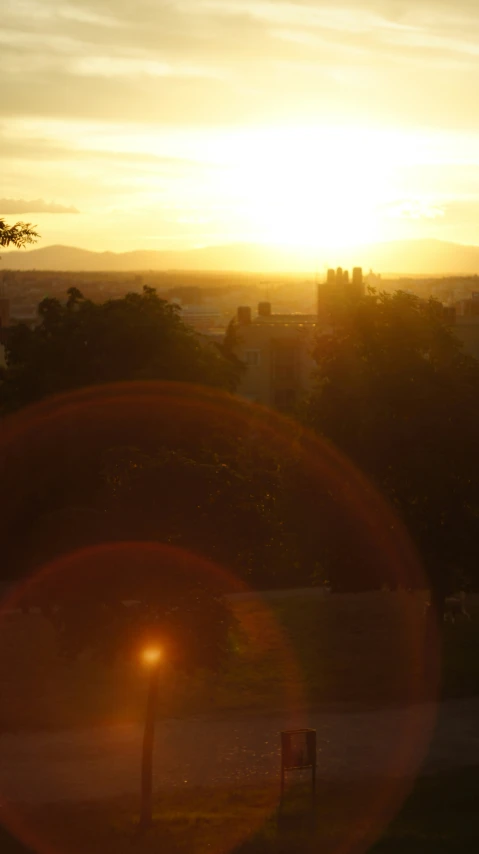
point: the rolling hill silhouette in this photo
(419, 257)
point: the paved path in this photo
(103, 763)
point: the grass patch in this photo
(440, 816)
(301, 650)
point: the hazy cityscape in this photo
(239, 386)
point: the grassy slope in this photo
(362, 649)
(439, 817)
(346, 648)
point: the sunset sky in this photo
(161, 124)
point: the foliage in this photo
(80, 343)
(319, 650)
(394, 391)
(170, 463)
(438, 816)
(187, 466)
(137, 462)
(17, 235)
(218, 505)
(113, 599)
(231, 338)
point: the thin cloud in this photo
(34, 148)
(212, 62)
(21, 206)
(86, 16)
(414, 209)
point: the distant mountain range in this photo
(420, 257)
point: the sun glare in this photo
(316, 187)
(323, 189)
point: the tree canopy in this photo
(144, 493)
(116, 598)
(81, 343)
(396, 393)
(183, 465)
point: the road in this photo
(77, 765)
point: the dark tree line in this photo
(210, 475)
(396, 393)
(81, 343)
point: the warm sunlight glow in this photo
(321, 186)
(297, 124)
(311, 187)
(151, 655)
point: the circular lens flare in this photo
(43, 440)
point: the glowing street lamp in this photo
(151, 657)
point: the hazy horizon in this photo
(416, 257)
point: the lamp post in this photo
(151, 657)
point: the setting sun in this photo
(314, 187)
(216, 123)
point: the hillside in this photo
(420, 257)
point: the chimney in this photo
(358, 281)
(243, 315)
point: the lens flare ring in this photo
(40, 448)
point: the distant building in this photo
(338, 289)
(203, 318)
(277, 348)
(373, 280)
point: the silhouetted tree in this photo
(80, 343)
(17, 235)
(111, 599)
(222, 506)
(172, 463)
(395, 392)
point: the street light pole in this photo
(151, 658)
